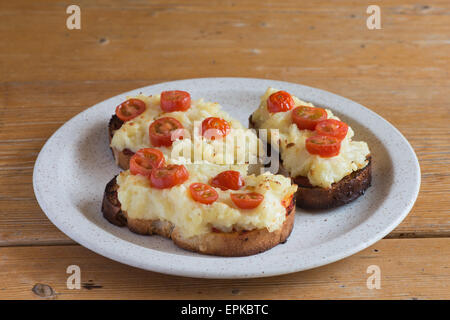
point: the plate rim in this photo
(189, 272)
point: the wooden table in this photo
(49, 74)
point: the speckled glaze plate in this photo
(75, 164)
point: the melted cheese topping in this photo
(141, 201)
(239, 146)
(297, 160)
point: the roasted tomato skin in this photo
(308, 117)
(130, 109)
(203, 193)
(161, 131)
(228, 180)
(323, 146)
(145, 160)
(249, 200)
(175, 100)
(168, 176)
(214, 127)
(332, 128)
(280, 101)
(288, 204)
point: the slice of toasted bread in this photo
(342, 192)
(229, 244)
(346, 190)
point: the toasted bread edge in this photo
(229, 244)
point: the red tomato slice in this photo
(332, 128)
(247, 200)
(213, 128)
(280, 101)
(323, 146)
(308, 117)
(175, 100)
(130, 109)
(203, 193)
(168, 176)
(228, 180)
(161, 131)
(145, 160)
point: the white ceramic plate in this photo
(75, 164)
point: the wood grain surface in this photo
(410, 269)
(48, 74)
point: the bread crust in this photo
(345, 191)
(228, 244)
(123, 157)
(111, 207)
(342, 192)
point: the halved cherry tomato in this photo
(130, 109)
(308, 117)
(203, 193)
(213, 128)
(161, 131)
(175, 100)
(168, 176)
(229, 179)
(324, 146)
(332, 128)
(145, 160)
(280, 101)
(248, 200)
